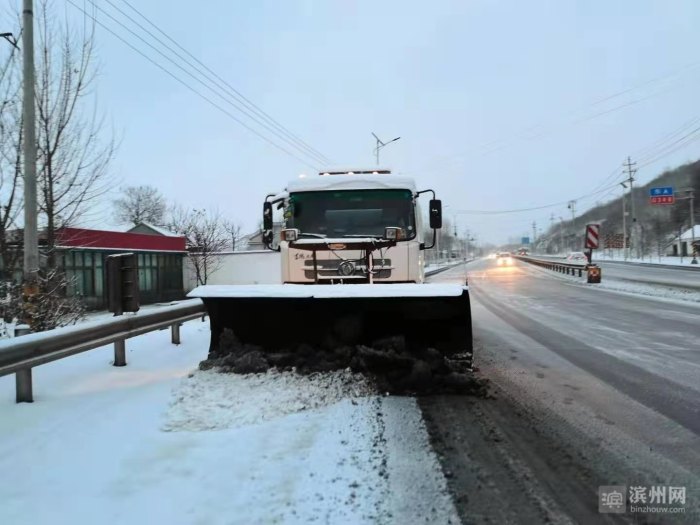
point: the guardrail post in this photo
(120, 352)
(175, 333)
(23, 386)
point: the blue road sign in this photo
(525, 240)
(663, 191)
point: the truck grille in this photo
(328, 269)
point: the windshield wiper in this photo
(364, 235)
(317, 235)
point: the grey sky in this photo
(461, 82)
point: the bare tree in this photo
(10, 159)
(234, 233)
(140, 204)
(206, 235)
(49, 308)
(72, 157)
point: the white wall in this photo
(256, 267)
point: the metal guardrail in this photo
(21, 354)
(553, 264)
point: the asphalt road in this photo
(592, 387)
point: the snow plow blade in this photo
(283, 316)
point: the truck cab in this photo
(352, 226)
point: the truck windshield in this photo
(351, 212)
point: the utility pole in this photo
(572, 207)
(692, 226)
(624, 222)
(551, 231)
(534, 234)
(630, 170)
(690, 195)
(561, 234)
(31, 235)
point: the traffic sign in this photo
(662, 199)
(661, 195)
(525, 240)
(614, 240)
(661, 191)
(592, 236)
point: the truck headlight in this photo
(346, 268)
(290, 234)
(392, 233)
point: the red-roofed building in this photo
(82, 253)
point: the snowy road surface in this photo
(593, 387)
(147, 443)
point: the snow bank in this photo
(665, 260)
(210, 400)
(666, 292)
(320, 449)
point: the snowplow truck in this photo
(353, 271)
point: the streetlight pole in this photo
(380, 145)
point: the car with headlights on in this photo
(504, 259)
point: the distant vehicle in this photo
(504, 259)
(523, 251)
(576, 257)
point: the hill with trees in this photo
(658, 225)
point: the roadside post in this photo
(591, 243)
(123, 294)
(689, 196)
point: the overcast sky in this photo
(500, 105)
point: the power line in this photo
(199, 94)
(519, 210)
(652, 149)
(506, 141)
(642, 152)
(213, 90)
(217, 79)
(669, 148)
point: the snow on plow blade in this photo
(283, 316)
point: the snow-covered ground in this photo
(618, 256)
(648, 259)
(158, 441)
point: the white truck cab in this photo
(352, 226)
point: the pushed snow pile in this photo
(388, 363)
(209, 400)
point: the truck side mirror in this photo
(435, 214)
(267, 216)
